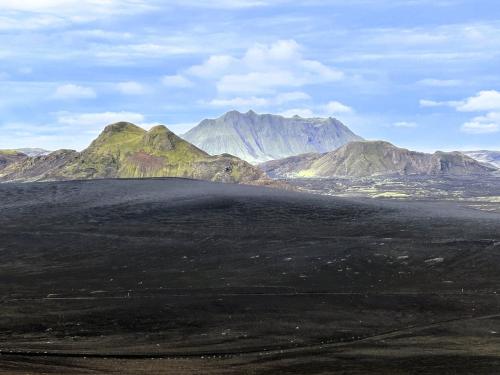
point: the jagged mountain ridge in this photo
(372, 158)
(124, 150)
(257, 138)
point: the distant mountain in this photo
(258, 138)
(33, 151)
(490, 157)
(362, 159)
(8, 157)
(124, 150)
(40, 168)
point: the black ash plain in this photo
(174, 276)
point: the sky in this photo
(422, 74)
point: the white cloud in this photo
(257, 82)
(453, 43)
(335, 107)
(474, 127)
(293, 96)
(229, 4)
(264, 69)
(131, 88)
(74, 10)
(71, 91)
(100, 34)
(488, 100)
(33, 15)
(409, 37)
(50, 5)
(405, 124)
(19, 138)
(482, 101)
(432, 103)
(432, 82)
(330, 109)
(490, 123)
(66, 130)
(98, 120)
(29, 22)
(244, 103)
(213, 67)
(416, 55)
(250, 102)
(176, 81)
(124, 53)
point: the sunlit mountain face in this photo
(258, 138)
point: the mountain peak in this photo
(121, 127)
(160, 138)
(113, 138)
(368, 143)
(159, 129)
(232, 115)
(261, 137)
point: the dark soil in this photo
(173, 276)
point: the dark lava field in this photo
(174, 276)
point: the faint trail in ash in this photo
(253, 294)
(302, 349)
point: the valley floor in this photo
(174, 276)
(477, 192)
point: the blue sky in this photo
(423, 74)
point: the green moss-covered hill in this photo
(124, 150)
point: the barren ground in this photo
(173, 276)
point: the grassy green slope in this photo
(124, 150)
(10, 152)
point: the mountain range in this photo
(124, 150)
(484, 156)
(33, 151)
(258, 138)
(363, 158)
